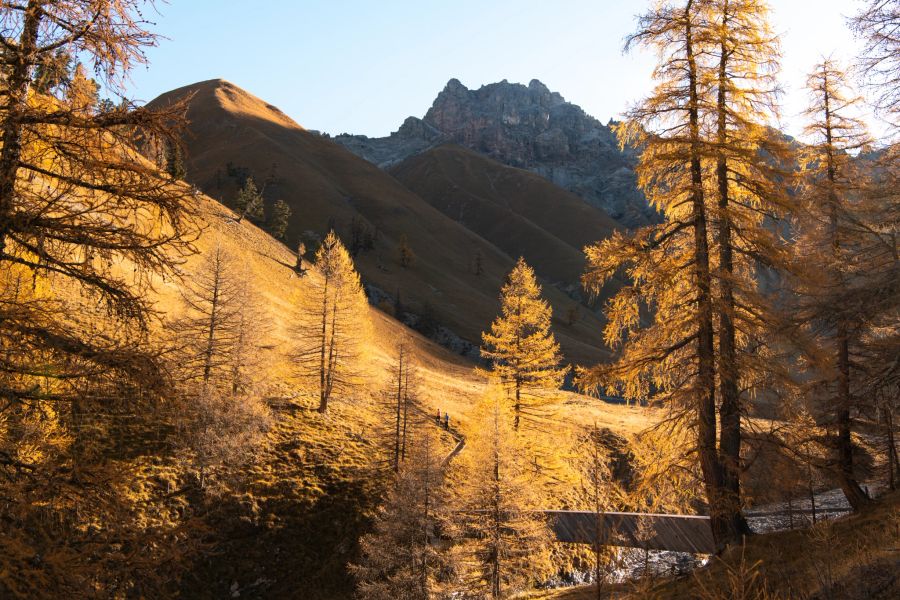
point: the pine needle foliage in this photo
(86, 227)
(503, 542)
(404, 558)
(749, 210)
(332, 327)
(523, 351)
(668, 265)
(878, 25)
(847, 252)
(249, 202)
(692, 329)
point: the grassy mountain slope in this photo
(516, 210)
(326, 185)
(291, 527)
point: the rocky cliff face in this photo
(528, 127)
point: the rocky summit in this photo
(528, 127)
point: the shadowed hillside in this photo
(518, 211)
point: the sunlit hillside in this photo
(315, 461)
(630, 334)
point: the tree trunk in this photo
(323, 399)
(722, 526)
(847, 479)
(397, 425)
(518, 407)
(730, 408)
(331, 363)
(844, 441)
(17, 85)
(211, 329)
(405, 415)
(893, 463)
(498, 524)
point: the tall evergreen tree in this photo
(279, 219)
(86, 227)
(332, 323)
(750, 201)
(402, 557)
(174, 160)
(249, 202)
(505, 543)
(521, 347)
(219, 331)
(878, 25)
(831, 238)
(669, 265)
(399, 406)
(405, 252)
(598, 489)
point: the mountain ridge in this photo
(529, 127)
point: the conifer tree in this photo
(402, 557)
(53, 72)
(332, 323)
(878, 25)
(174, 160)
(521, 347)
(833, 238)
(399, 407)
(406, 254)
(223, 418)
(215, 325)
(279, 219)
(249, 202)
(669, 265)
(750, 200)
(404, 386)
(597, 487)
(504, 542)
(478, 262)
(82, 92)
(86, 227)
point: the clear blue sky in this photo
(363, 66)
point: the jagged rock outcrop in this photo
(528, 127)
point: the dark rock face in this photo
(528, 127)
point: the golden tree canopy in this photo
(520, 345)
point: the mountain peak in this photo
(537, 86)
(525, 126)
(455, 86)
(222, 95)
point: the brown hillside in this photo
(327, 185)
(519, 212)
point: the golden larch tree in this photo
(669, 265)
(218, 341)
(333, 327)
(747, 210)
(835, 243)
(522, 349)
(86, 226)
(504, 543)
(403, 556)
(878, 25)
